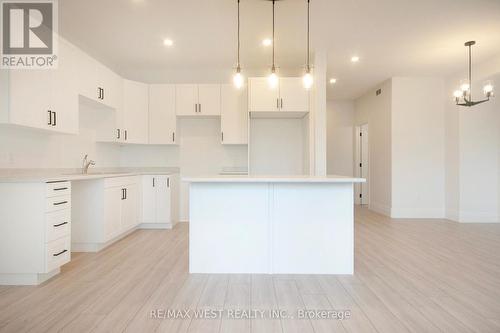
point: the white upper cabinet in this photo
(135, 112)
(209, 99)
(45, 99)
(293, 96)
(197, 100)
(289, 96)
(261, 96)
(234, 115)
(162, 117)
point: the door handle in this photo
(55, 119)
(98, 92)
(59, 253)
(118, 133)
(277, 103)
(222, 134)
(102, 93)
(60, 224)
(60, 203)
(168, 182)
(123, 194)
(125, 135)
(153, 181)
(196, 108)
(50, 118)
(282, 103)
(199, 108)
(173, 136)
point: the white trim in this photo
(155, 226)
(417, 213)
(96, 247)
(478, 217)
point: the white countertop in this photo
(53, 175)
(273, 179)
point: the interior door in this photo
(261, 96)
(293, 96)
(209, 99)
(162, 117)
(163, 197)
(149, 190)
(234, 115)
(186, 99)
(112, 212)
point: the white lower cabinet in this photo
(104, 211)
(159, 205)
(35, 231)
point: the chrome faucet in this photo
(86, 164)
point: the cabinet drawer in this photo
(58, 189)
(57, 253)
(120, 181)
(58, 203)
(58, 224)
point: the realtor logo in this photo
(28, 34)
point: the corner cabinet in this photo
(234, 115)
(159, 201)
(104, 210)
(288, 96)
(197, 99)
(162, 117)
(44, 99)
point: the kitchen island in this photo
(271, 225)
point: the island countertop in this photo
(273, 179)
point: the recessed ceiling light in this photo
(332, 81)
(168, 42)
(267, 42)
(354, 59)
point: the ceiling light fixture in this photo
(168, 42)
(273, 77)
(354, 59)
(463, 97)
(308, 79)
(238, 78)
(267, 42)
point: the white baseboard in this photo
(155, 226)
(96, 247)
(379, 208)
(478, 217)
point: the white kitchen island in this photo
(272, 225)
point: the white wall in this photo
(277, 146)
(417, 142)
(376, 112)
(340, 138)
(473, 150)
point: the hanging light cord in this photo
(238, 63)
(273, 37)
(308, 66)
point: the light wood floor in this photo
(418, 276)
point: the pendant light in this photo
(238, 78)
(273, 77)
(307, 79)
(463, 97)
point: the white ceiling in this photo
(392, 37)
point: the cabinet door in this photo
(234, 115)
(149, 184)
(162, 117)
(111, 85)
(112, 212)
(30, 92)
(64, 90)
(186, 99)
(135, 105)
(209, 99)
(87, 77)
(163, 200)
(261, 96)
(293, 96)
(130, 207)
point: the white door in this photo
(163, 206)
(113, 198)
(130, 207)
(261, 96)
(162, 117)
(64, 90)
(111, 85)
(186, 99)
(135, 107)
(234, 115)
(209, 99)
(293, 96)
(30, 98)
(149, 199)
(363, 164)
